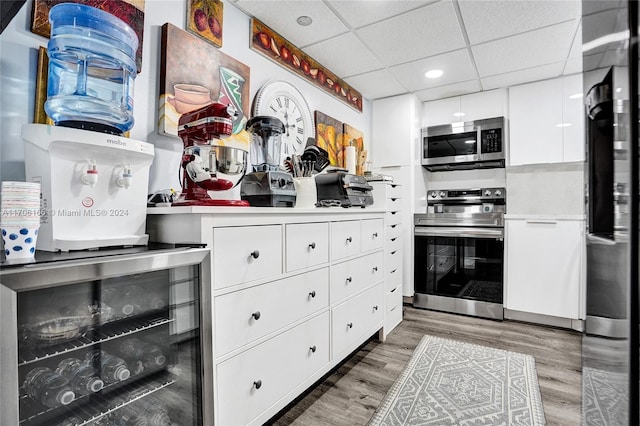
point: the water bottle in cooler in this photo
(82, 376)
(155, 413)
(48, 387)
(112, 368)
(150, 354)
(125, 301)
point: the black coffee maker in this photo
(267, 185)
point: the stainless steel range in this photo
(459, 252)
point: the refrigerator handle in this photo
(594, 239)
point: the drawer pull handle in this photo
(312, 245)
(349, 279)
(313, 348)
(312, 294)
(375, 269)
(256, 315)
(375, 307)
(393, 272)
(393, 290)
(255, 254)
(375, 235)
(349, 239)
(257, 384)
(350, 325)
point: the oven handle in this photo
(436, 231)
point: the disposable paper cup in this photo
(19, 242)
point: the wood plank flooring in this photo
(351, 393)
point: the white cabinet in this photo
(476, 106)
(546, 121)
(395, 130)
(294, 293)
(544, 266)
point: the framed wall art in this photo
(193, 74)
(354, 137)
(329, 137)
(275, 47)
(204, 19)
(130, 11)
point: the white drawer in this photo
(394, 191)
(244, 316)
(277, 366)
(243, 254)
(307, 244)
(393, 231)
(392, 218)
(348, 278)
(356, 319)
(345, 239)
(393, 309)
(394, 204)
(372, 232)
(393, 278)
(393, 244)
(393, 260)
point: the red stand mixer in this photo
(199, 131)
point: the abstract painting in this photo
(130, 11)
(204, 19)
(354, 137)
(329, 137)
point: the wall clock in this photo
(282, 100)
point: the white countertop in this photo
(261, 210)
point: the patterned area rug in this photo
(604, 398)
(454, 383)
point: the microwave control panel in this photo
(491, 140)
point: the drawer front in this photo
(392, 218)
(393, 231)
(393, 276)
(244, 316)
(253, 381)
(394, 204)
(243, 254)
(345, 239)
(394, 191)
(372, 231)
(393, 244)
(306, 244)
(356, 319)
(350, 277)
(393, 309)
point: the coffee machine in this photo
(208, 164)
(267, 185)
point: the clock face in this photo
(283, 101)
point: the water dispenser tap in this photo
(90, 176)
(125, 180)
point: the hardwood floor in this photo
(350, 395)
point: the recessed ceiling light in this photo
(433, 73)
(304, 20)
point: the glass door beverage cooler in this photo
(107, 338)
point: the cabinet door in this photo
(372, 234)
(544, 264)
(535, 117)
(394, 128)
(481, 105)
(442, 111)
(573, 118)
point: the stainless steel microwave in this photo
(466, 145)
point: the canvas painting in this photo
(204, 19)
(193, 74)
(354, 137)
(329, 137)
(130, 11)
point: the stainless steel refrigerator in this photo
(610, 341)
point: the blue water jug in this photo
(92, 68)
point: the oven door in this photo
(460, 270)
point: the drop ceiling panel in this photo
(534, 48)
(492, 19)
(407, 37)
(457, 67)
(376, 84)
(281, 17)
(448, 91)
(346, 54)
(359, 13)
(522, 76)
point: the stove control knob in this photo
(487, 193)
(434, 194)
(443, 194)
(498, 193)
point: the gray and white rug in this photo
(454, 383)
(604, 398)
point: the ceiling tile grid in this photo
(383, 47)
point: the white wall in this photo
(19, 51)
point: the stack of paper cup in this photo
(19, 219)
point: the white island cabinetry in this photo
(295, 291)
